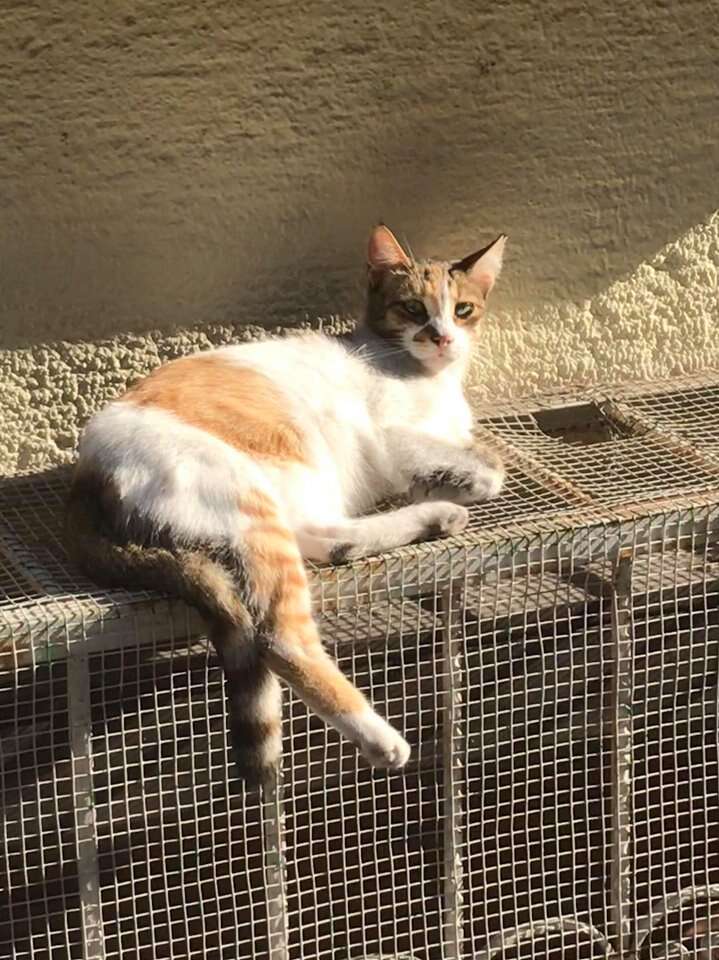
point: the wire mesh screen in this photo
(180, 848)
(555, 670)
(41, 910)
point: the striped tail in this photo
(253, 693)
(266, 576)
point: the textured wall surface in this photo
(168, 164)
(663, 321)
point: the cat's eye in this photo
(463, 310)
(415, 308)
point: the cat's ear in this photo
(485, 265)
(384, 251)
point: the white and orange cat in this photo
(217, 474)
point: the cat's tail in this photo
(265, 573)
(215, 588)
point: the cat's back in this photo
(260, 398)
(305, 363)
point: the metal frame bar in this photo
(274, 864)
(78, 694)
(454, 783)
(620, 723)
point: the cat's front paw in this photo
(487, 480)
(480, 479)
(444, 520)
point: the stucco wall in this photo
(167, 164)
(662, 321)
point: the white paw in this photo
(490, 484)
(486, 485)
(389, 750)
(378, 742)
(445, 520)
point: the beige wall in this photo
(168, 163)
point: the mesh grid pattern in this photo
(691, 413)
(180, 849)
(555, 670)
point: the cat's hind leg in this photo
(291, 643)
(305, 665)
(351, 539)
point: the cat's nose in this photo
(441, 339)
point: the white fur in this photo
(452, 357)
(169, 471)
(181, 476)
(377, 740)
(445, 320)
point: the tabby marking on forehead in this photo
(432, 282)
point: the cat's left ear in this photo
(384, 251)
(485, 265)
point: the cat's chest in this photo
(442, 413)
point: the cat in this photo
(218, 473)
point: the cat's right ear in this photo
(384, 251)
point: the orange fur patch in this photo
(296, 622)
(277, 574)
(259, 505)
(275, 566)
(295, 579)
(236, 404)
(269, 529)
(317, 680)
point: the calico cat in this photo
(217, 474)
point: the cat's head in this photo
(430, 308)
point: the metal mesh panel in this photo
(180, 847)
(675, 703)
(538, 662)
(365, 867)
(39, 901)
(690, 413)
(554, 669)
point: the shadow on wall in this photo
(183, 164)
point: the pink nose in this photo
(442, 341)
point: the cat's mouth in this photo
(437, 359)
(433, 355)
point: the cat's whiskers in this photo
(365, 352)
